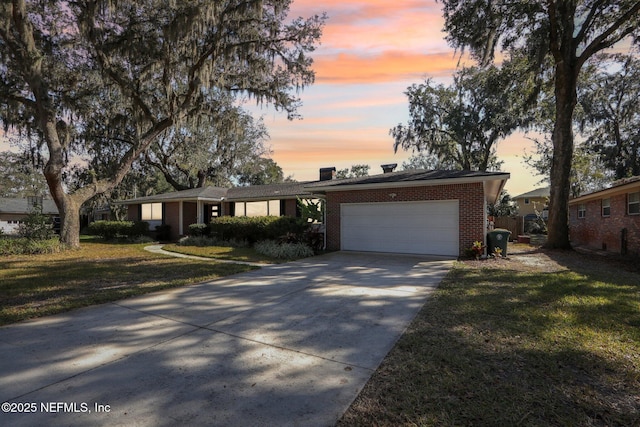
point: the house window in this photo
(151, 212)
(606, 207)
(582, 211)
(633, 203)
(262, 208)
(526, 201)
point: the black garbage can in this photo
(498, 238)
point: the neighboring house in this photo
(14, 211)
(608, 219)
(532, 201)
(420, 212)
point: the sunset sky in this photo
(370, 52)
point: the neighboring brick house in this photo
(609, 219)
(421, 212)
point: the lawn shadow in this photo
(497, 347)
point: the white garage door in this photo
(401, 227)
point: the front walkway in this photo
(289, 344)
(157, 249)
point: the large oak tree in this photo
(569, 32)
(76, 72)
(461, 124)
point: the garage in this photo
(420, 227)
(431, 212)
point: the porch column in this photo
(181, 219)
(200, 209)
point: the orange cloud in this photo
(383, 67)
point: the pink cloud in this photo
(383, 67)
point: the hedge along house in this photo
(415, 212)
(608, 219)
(200, 205)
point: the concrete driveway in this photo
(289, 344)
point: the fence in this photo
(514, 224)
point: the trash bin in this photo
(498, 238)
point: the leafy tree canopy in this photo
(102, 80)
(557, 37)
(355, 172)
(610, 119)
(460, 124)
(20, 177)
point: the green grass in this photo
(498, 347)
(224, 253)
(39, 285)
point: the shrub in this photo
(110, 230)
(198, 230)
(26, 246)
(36, 226)
(283, 250)
(197, 241)
(255, 229)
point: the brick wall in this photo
(471, 205)
(605, 233)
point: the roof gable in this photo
(538, 192)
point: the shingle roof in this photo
(409, 176)
(539, 192)
(289, 190)
(204, 193)
(269, 191)
(22, 206)
(626, 184)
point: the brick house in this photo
(420, 212)
(608, 219)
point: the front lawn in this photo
(527, 342)
(39, 285)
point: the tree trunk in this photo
(566, 98)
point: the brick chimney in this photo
(327, 174)
(389, 168)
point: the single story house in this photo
(200, 205)
(530, 202)
(13, 211)
(608, 219)
(418, 211)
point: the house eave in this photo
(606, 192)
(415, 183)
(169, 200)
